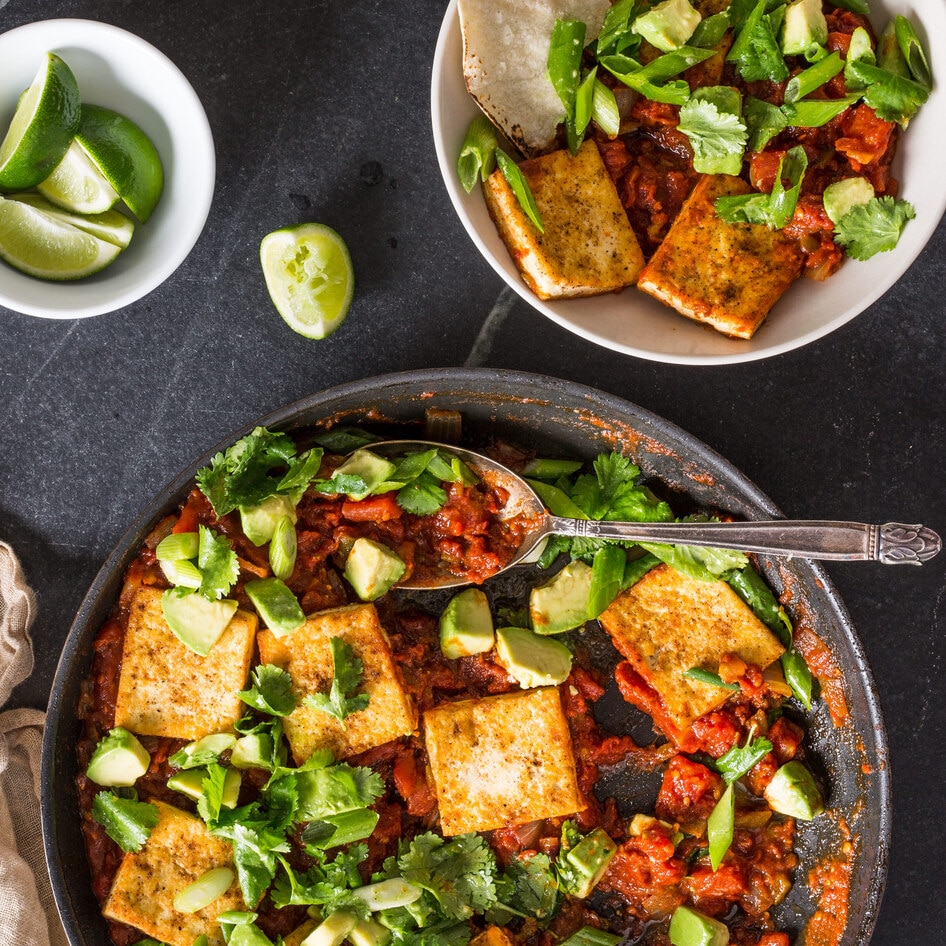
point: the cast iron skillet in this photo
(556, 418)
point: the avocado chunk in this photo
(583, 860)
(369, 933)
(190, 782)
(374, 470)
(276, 605)
(562, 602)
(372, 568)
(804, 28)
(668, 25)
(793, 792)
(466, 625)
(843, 196)
(332, 931)
(531, 660)
(259, 522)
(118, 760)
(197, 622)
(690, 928)
(253, 751)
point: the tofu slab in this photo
(728, 275)
(667, 623)
(307, 656)
(179, 850)
(501, 760)
(166, 689)
(588, 246)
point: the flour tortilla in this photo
(505, 55)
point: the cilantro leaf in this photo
(341, 701)
(611, 492)
(711, 120)
(334, 789)
(210, 802)
(755, 50)
(256, 845)
(218, 564)
(527, 888)
(616, 35)
(271, 691)
(423, 496)
(894, 98)
(127, 822)
(325, 882)
(776, 209)
(739, 760)
(874, 227)
(699, 562)
(763, 122)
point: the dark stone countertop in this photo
(321, 111)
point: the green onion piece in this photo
(890, 56)
(282, 548)
(607, 577)
(713, 679)
(719, 827)
(798, 676)
(813, 78)
(591, 936)
(584, 107)
(478, 154)
(913, 52)
(543, 468)
(557, 501)
(813, 113)
(636, 568)
(203, 891)
(564, 61)
(388, 894)
(604, 109)
(177, 547)
(710, 30)
(343, 828)
(184, 574)
(520, 187)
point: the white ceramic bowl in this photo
(634, 323)
(121, 71)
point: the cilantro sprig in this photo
(343, 698)
(127, 821)
(271, 691)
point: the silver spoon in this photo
(892, 543)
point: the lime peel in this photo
(309, 276)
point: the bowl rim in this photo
(739, 351)
(99, 36)
(693, 458)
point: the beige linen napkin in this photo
(27, 910)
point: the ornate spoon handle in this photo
(893, 543)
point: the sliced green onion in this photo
(890, 57)
(203, 891)
(713, 679)
(604, 109)
(813, 113)
(913, 52)
(184, 574)
(283, 547)
(543, 468)
(388, 894)
(343, 828)
(557, 501)
(520, 187)
(591, 936)
(564, 61)
(719, 827)
(813, 78)
(584, 108)
(478, 154)
(798, 676)
(711, 30)
(177, 547)
(636, 568)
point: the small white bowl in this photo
(121, 71)
(636, 324)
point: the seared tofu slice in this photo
(501, 760)
(306, 655)
(178, 852)
(728, 275)
(667, 623)
(588, 246)
(166, 689)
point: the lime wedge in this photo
(77, 184)
(45, 120)
(110, 225)
(309, 277)
(125, 155)
(39, 245)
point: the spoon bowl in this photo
(890, 543)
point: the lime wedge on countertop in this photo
(110, 225)
(125, 155)
(309, 276)
(39, 245)
(76, 184)
(43, 125)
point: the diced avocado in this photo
(118, 760)
(369, 933)
(668, 25)
(211, 745)
(466, 625)
(198, 622)
(691, 928)
(372, 568)
(793, 792)
(276, 605)
(331, 931)
(259, 522)
(727, 101)
(374, 470)
(842, 196)
(562, 602)
(254, 751)
(202, 892)
(583, 864)
(804, 27)
(532, 661)
(190, 782)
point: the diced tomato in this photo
(689, 791)
(381, 508)
(866, 136)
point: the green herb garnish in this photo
(342, 699)
(127, 821)
(271, 691)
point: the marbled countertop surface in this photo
(321, 111)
